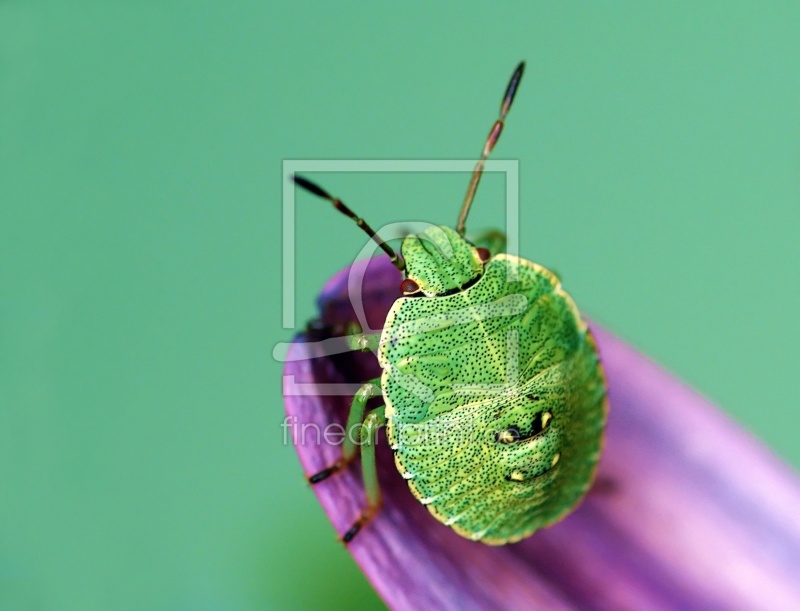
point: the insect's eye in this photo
(408, 287)
(509, 435)
(484, 254)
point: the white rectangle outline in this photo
(510, 167)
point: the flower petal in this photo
(688, 510)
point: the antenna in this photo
(311, 187)
(494, 136)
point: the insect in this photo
(494, 398)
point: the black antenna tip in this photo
(511, 90)
(518, 72)
(310, 186)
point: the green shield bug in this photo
(493, 394)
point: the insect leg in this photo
(364, 394)
(365, 342)
(369, 430)
(493, 239)
(338, 338)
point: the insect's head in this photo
(439, 261)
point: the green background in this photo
(141, 457)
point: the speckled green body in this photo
(494, 394)
(494, 397)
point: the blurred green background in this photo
(141, 457)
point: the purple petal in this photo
(689, 511)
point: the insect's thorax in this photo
(440, 261)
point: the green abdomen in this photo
(495, 401)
